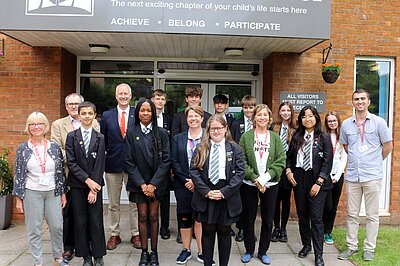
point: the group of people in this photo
(220, 169)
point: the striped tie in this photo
(86, 141)
(145, 130)
(284, 136)
(214, 164)
(249, 125)
(307, 150)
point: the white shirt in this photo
(126, 116)
(160, 120)
(150, 126)
(75, 123)
(222, 158)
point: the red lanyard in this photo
(361, 128)
(260, 150)
(38, 157)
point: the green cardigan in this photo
(276, 158)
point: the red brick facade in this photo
(38, 78)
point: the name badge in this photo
(363, 148)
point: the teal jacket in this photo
(276, 158)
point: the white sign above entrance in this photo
(277, 18)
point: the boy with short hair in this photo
(221, 105)
(85, 150)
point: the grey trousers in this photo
(37, 203)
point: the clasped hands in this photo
(215, 195)
(94, 188)
(260, 187)
(148, 190)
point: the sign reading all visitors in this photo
(289, 18)
(301, 99)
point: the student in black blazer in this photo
(85, 151)
(217, 171)
(193, 98)
(220, 106)
(165, 121)
(114, 125)
(309, 163)
(147, 164)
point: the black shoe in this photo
(98, 261)
(304, 251)
(164, 233)
(154, 259)
(144, 258)
(283, 236)
(179, 238)
(319, 261)
(232, 232)
(239, 236)
(87, 261)
(275, 235)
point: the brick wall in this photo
(358, 28)
(31, 79)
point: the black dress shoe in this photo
(164, 233)
(154, 259)
(179, 238)
(239, 236)
(144, 258)
(283, 236)
(319, 261)
(275, 235)
(304, 252)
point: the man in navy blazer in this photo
(193, 98)
(114, 125)
(159, 98)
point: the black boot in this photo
(239, 236)
(154, 259)
(283, 236)
(275, 235)
(144, 258)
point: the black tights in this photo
(224, 242)
(148, 213)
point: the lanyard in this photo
(38, 157)
(334, 143)
(361, 128)
(260, 150)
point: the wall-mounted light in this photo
(99, 48)
(233, 51)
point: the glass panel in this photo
(101, 91)
(176, 100)
(235, 94)
(117, 67)
(208, 66)
(374, 76)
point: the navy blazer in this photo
(234, 177)
(115, 144)
(322, 159)
(179, 123)
(81, 167)
(142, 171)
(167, 123)
(179, 159)
(234, 127)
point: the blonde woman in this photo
(39, 187)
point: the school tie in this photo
(284, 136)
(86, 141)
(249, 125)
(214, 164)
(307, 151)
(145, 130)
(122, 125)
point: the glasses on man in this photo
(36, 125)
(216, 129)
(72, 104)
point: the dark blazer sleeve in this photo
(73, 157)
(323, 158)
(196, 175)
(162, 172)
(99, 160)
(235, 130)
(235, 172)
(176, 125)
(130, 163)
(178, 157)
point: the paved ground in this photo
(14, 250)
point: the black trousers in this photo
(331, 204)
(164, 211)
(309, 210)
(68, 224)
(239, 223)
(267, 209)
(224, 242)
(89, 227)
(284, 198)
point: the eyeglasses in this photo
(37, 125)
(215, 129)
(73, 104)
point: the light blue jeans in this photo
(37, 203)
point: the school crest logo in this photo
(59, 7)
